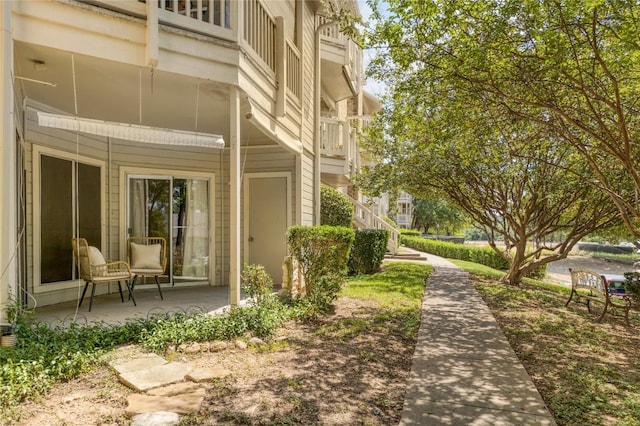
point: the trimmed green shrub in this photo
(322, 253)
(368, 251)
(335, 207)
(482, 255)
(410, 232)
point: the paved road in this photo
(559, 271)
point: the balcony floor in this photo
(108, 308)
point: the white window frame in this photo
(38, 151)
(138, 172)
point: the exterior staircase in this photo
(364, 218)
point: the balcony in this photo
(403, 220)
(263, 35)
(339, 150)
(341, 63)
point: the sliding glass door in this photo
(176, 209)
(190, 230)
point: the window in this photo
(67, 202)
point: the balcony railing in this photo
(333, 137)
(214, 12)
(294, 77)
(210, 17)
(353, 53)
(218, 18)
(338, 140)
(403, 219)
(260, 32)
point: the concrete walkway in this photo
(464, 371)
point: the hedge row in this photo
(368, 251)
(483, 255)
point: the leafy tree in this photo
(437, 213)
(568, 66)
(514, 180)
(522, 112)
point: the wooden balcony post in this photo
(234, 198)
(8, 204)
(152, 48)
(281, 68)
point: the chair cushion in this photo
(96, 257)
(145, 256)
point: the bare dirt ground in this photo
(349, 368)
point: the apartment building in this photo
(208, 122)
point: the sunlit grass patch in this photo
(587, 372)
(398, 283)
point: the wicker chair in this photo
(148, 258)
(95, 270)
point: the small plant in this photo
(257, 283)
(632, 286)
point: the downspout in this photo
(316, 123)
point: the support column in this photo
(317, 75)
(234, 197)
(152, 49)
(8, 245)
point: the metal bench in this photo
(588, 286)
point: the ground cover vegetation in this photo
(588, 373)
(348, 365)
(46, 355)
(522, 113)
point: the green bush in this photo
(322, 253)
(368, 251)
(632, 286)
(538, 273)
(410, 233)
(482, 255)
(257, 283)
(335, 207)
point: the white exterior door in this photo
(267, 217)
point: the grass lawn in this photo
(588, 373)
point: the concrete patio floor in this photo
(109, 309)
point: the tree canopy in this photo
(437, 214)
(570, 66)
(524, 113)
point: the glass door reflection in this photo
(190, 230)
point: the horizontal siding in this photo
(308, 58)
(307, 192)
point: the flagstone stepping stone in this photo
(159, 418)
(166, 399)
(207, 373)
(179, 388)
(140, 362)
(160, 375)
